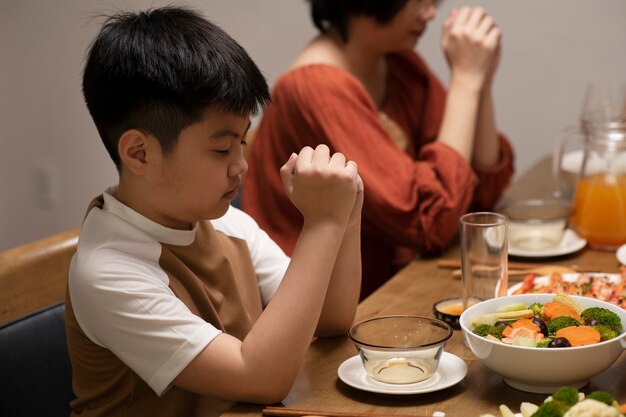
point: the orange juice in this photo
(600, 210)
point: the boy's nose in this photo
(239, 166)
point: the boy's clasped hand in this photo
(322, 186)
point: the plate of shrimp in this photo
(607, 287)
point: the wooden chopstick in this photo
(456, 264)
(457, 273)
(291, 412)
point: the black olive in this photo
(501, 323)
(592, 322)
(559, 342)
(542, 326)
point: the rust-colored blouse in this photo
(415, 188)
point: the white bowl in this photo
(542, 370)
(536, 224)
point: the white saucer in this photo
(570, 243)
(451, 370)
(621, 254)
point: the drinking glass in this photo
(484, 254)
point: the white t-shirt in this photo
(121, 297)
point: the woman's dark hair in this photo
(335, 13)
(159, 70)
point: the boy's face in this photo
(201, 175)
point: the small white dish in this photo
(621, 254)
(451, 371)
(570, 243)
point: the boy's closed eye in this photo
(226, 138)
(226, 151)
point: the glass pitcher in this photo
(599, 200)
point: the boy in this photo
(168, 308)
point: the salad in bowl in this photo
(526, 360)
(559, 323)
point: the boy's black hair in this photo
(159, 70)
(335, 13)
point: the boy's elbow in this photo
(274, 397)
(272, 387)
(271, 393)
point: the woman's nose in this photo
(430, 12)
(427, 10)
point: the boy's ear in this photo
(132, 148)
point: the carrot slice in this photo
(554, 309)
(579, 335)
(525, 323)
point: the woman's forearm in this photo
(459, 123)
(486, 146)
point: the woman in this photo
(425, 156)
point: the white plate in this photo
(570, 243)
(621, 254)
(571, 277)
(451, 370)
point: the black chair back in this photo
(35, 370)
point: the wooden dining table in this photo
(414, 290)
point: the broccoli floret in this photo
(484, 330)
(602, 316)
(551, 409)
(566, 395)
(496, 331)
(543, 343)
(560, 323)
(537, 309)
(602, 396)
(606, 332)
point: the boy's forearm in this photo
(263, 366)
(342, 296)
(287, 325)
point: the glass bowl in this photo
(400, 349)
(536, 224)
